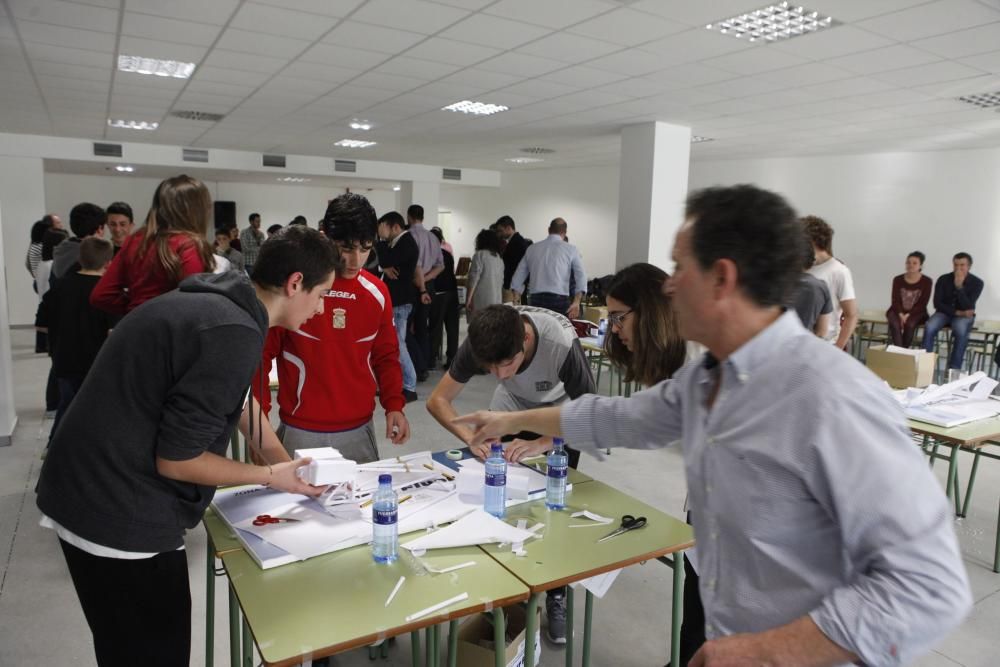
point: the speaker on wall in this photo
(225, 214)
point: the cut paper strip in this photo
(437, 607)
(592, 516)
(477, 527)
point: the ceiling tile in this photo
(924, 74)
(963, 42)
(81, 72)
(281, 21)
(326, 73)
(803, 75)
(69, 14)
(451, 52)
(846, 88)
(445, 92)
(244, 41)
(988, 62)
(229, 81)
(933, 18)
(60, 54)
(471, 5)
(850, 11)
(247, 62)
(631, 62)
(337, 8)
(217, 12)
(744, 86)
(582, 76)
(840, 40)
(74, 38)
(755, 61)
(371, 37)
(341, 56)
(494, 31)
(693, 45)
(567, 48)
(551, 14)
(413, 15)
(696, 13)
(386, 81)
(893, 57)
(150, 48)
(519, 64)
(157, 27)
(417, 69)
(627, 27)
(538, 89)
(477, 80)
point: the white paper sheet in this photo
(600, 584)
(904, 350)
(310, 536)
(477, 527)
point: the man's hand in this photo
(285, 478)
(486, 427)
(524, 449)
(481, 451)
(425, 299)
(397, 427)
(574, 311)
(743, 650)
(391, 272)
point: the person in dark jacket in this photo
(513, 253)
(955, 296)
(444, 307)
(397, 255)
(140, 451)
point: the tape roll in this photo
(454, 454)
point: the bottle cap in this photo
(496, 447)
(558, 442)
(385, 479)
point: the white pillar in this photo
(423, 193)
(652, 189)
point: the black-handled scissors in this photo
(629, 522)
(265, 519)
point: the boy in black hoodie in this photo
(170, 384)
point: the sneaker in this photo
(555, 609)
(410, 396)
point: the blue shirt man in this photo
(552, 264)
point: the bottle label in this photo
(496, 479)
(558, 472)
(384, 517)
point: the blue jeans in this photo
(400, 316)
(960, 329)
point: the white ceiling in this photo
(291, 74)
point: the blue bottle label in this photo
(384, 517)
(561, 471)
(496, 479)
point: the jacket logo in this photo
(544, 385)
(339, 318)
(342, 295)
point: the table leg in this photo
(500, 638)
(452, 643)
(415, 648)
(235, 659)
(588, 618)
(427, 647)
(247, 644)
(531, 627)
(209, 604)
(952, 474)
(569, 626)
(677, 609)
(996, 555)
(435, 645)
(972, 480)
(934, 451)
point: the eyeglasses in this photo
(618, 319)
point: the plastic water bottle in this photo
(555, 483)
(602, 330)
(385, 521)
(495, 496)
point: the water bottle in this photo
(602, 330)
(555, 482)
(495, 496)
(385, 521)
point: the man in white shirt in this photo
(838, 279)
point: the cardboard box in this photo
(475, 639)
(901, 370)
(595, 313)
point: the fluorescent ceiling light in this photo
(475, 108)
(132, 124)
(773, 23)
(361, 125)
(395, 188)
(125, 168)
(524, 160)
(354, 143)
(156, 67)
(294, 179)
(695, 139)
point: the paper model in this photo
(476, 527)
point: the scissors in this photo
(265, 519)
(629, 522)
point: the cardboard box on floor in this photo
(595, 314)
(475, 639)
(901, 370)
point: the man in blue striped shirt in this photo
(552, 264)
(823, 538)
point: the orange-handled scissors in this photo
(265, 519)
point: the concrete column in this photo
(423, 193)
(652, 189)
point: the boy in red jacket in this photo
(330, 368)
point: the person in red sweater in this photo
(911, 291)
(330, 368)
(168, 248)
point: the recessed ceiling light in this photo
(155, 67)
(294, 179)
(983, 100)
(773, 23)
(395, 188)
(133, 124)
(538, 150)
(188, 114)
(524, 160)
(354, 143)
(361, 125)
(125, 168)
(695, 139)
(475, 108)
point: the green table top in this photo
(566, 555)
(973, 434)
(335, 602)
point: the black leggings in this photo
(139, 611)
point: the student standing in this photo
(397, 255)
(485, 281)
(141, 449)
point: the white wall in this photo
(22, 196)
(586, 197)
(882, 206)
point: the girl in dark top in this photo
(911, 291)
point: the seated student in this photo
(537, 357)
(224, 248)
(76, 329)
(330, 369)
(911, 291)
(141, 450)
(811, 297)
(955, 296)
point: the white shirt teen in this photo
(838, 279)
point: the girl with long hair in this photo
(485, 282)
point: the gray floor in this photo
(41, 621)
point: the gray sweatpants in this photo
(358, 444)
